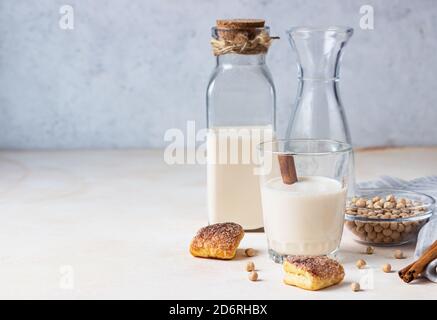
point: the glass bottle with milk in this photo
(240, 115)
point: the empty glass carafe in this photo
(318, 112)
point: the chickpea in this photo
(387, 232)
(250, 266)
(401, 227)
(400, 205)
(250, 252)
(361, 203)
(371, 236)
(355, 286)
(388, 240)
(395, 235)
(360, 230)
(368, 228)
(388, 205)
(253, 276)
(386, 268)
(385, 225)
(377, 228)
(398, 254)
(376, 199)
(362, 212)
(359, 224)
(370, 250)
(360, 264)
(390, 198)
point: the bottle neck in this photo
(241, 59)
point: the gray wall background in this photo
(131, 69)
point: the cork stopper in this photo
(240, 23)
(241, 36)
(229, 29)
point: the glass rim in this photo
(429, 202)
(345, 147)
(321, 29)
(427, 214)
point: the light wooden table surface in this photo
(117, 224)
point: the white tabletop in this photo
(117, 224)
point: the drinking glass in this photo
(307, 216)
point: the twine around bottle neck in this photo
(241, 44)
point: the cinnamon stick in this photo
(288, 168)
(404, 271)
(414, 270)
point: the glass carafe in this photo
(318, 111)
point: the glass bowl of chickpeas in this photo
(387, 217)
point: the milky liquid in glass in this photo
(304, 218)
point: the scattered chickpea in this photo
(253, 276)
(355, 286)
(370, 250)
(386, 268)
(250, 266)
(360, 264)
(249, 252)
(399, 254)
